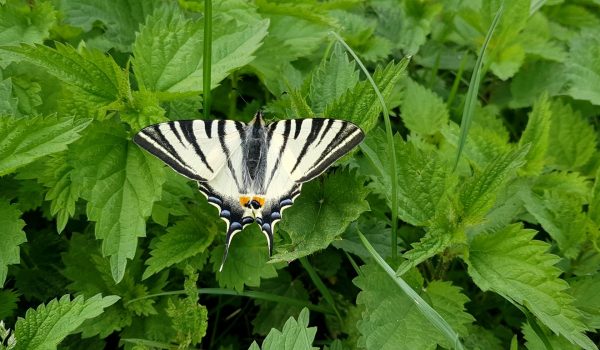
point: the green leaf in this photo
(272, 314)
(183, 240)
(8, 103)
(583, 67)
(390, 320)
(8, 303)
(533, 80)
(121, 185)
(422, 111)
(574, 138)
(479, 338)
(11, 236)
(63, 192)
(434, 242)
(247, 260)
(509, 262)
(25, 22)
(332, 79)
(585, 291)
(48, 325)
(360, 105)
(26, 139)
(330, 205)
(560, 215)
(594, 207)
(179, 66)
(121, 19)
(94, 75)
(478, 193)
(536, 134)
(295, 335)
(534, 342)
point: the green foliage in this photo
(27, 139)
(390, 321)
(295, 335)
(12, 236)
(85, 212)
(46, 326)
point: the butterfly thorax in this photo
(254, 158)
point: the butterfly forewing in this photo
(250, 172)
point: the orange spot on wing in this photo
(260, 200)
(244, 201)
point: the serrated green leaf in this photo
(583, 67)
(390, 320)
(534, 342)
(574, 139)
(295, 335)
(434, 242)
(271, 314)
(377, 232)
(8, 103)
(479, 338)
(11, 236)
(422, 111)
(63, 192)
(49, 324)
(8, 303)
(333, 77)
(246, 263)
(121, 185)
(28, 23)
(533, 80)
(26, 139)
(93, 74)
(585, 291)
(360, 105)
(594, 207)
(478, 193)
(536, 134)
(121, 19)
(183, 240)
(179, 67)
(509, 262)
(330, 205)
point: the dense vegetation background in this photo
(101, 246)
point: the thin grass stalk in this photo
(471, 98)
(426, 310)
(391, 146)
(207, 57)
(320, 286)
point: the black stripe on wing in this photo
(230, 211)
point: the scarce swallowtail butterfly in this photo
(250, 172)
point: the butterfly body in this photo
(250, 171)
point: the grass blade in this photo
(320, 286)
(427, 311)
(390, 145)
(471, 98)
(207, 56)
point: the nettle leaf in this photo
(534, 79)
(560, 215)
(295, 335)
(594, 207)
(11, 236)
(587, 299)
(390, 320)
(8, 103)
(435, 241)
(533, 341)
(509, 262)
(187, 238)
(8, 303)
(29, 138)
(329, 205)
(25, 23)
(574, 139)
(121, 19)
(583, 67)
(48, 325)
(536, 134)
(247, 260)
(63, 192)
(360, 105)
(479, 192)
(271, 314)
(178, 67)
(96, 77)
(333, 78)
(422, 111)
(121, 183)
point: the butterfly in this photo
(250, 171)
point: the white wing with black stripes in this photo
(250, 172)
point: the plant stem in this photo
(207, 56)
